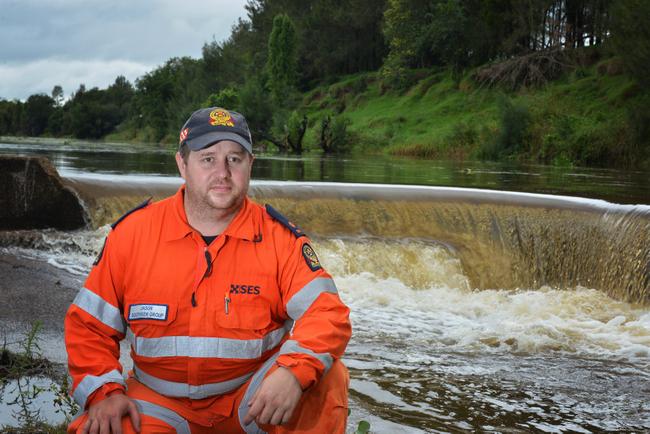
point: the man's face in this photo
(216, 177)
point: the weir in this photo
(503, 240)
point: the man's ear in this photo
(180, 163)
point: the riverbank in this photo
(34, 290)
(592, 115)
(62, 142)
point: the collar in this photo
(243, 226)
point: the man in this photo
(233, 323)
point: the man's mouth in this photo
(220, 187)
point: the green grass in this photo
(582, 118)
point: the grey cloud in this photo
(142, 32)
(40, 76)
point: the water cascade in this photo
(502, 239)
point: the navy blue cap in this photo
(208, 126)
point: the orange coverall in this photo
(207, 323)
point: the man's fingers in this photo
(116, 425)
(104, 426)
(277, 417)
(287, 417)
(253, 411)
(254, 398)
(266, 413)
(85, 427)
(135, 416)
(94, 427)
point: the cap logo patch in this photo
(310, 257)
(221, 117)
(183, 135)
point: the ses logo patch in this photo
(245, 289)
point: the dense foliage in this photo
(284, 49)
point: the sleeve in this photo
(94, 325)
(322, 327)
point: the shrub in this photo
(227, 98)
(334, 136)
(513, 135)
(556, 144)
(294, 131)
(464, 135)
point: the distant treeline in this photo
(286, 47)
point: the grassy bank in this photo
(590, 116)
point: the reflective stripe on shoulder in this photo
(168, 416)
(90, 383)
(100, 309)
(185, 390)
(206, 347)
(303, 299)
(252, 427)
(291, 347)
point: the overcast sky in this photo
(68, 42)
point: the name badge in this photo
(148, 311)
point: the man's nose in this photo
(221, 168)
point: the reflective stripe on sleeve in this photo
(303, 299)
(100, 309)
(168, 416)
(192, 346)
(252, 427)
(290, 347)
(90, 383)
(184, 390)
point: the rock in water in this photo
(33, 196)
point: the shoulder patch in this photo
(142, 205)
(310, 257)
(285, 221)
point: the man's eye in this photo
(207, 160)
(233, 159)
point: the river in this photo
(485, 297)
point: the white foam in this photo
(415, 294)
(443, 312)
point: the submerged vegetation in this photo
(552, 81)
(17, 373)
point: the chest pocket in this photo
(244, 314)
(144, 313)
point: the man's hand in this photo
(275, 400)
(105, 417)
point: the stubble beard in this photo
(207, 206)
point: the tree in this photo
(166, 96)
(403, 22)
(10, 117)
(226, 98)
(282, 60)
(37, 110)
(57, 95)
(120, 95)
(631, 38)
